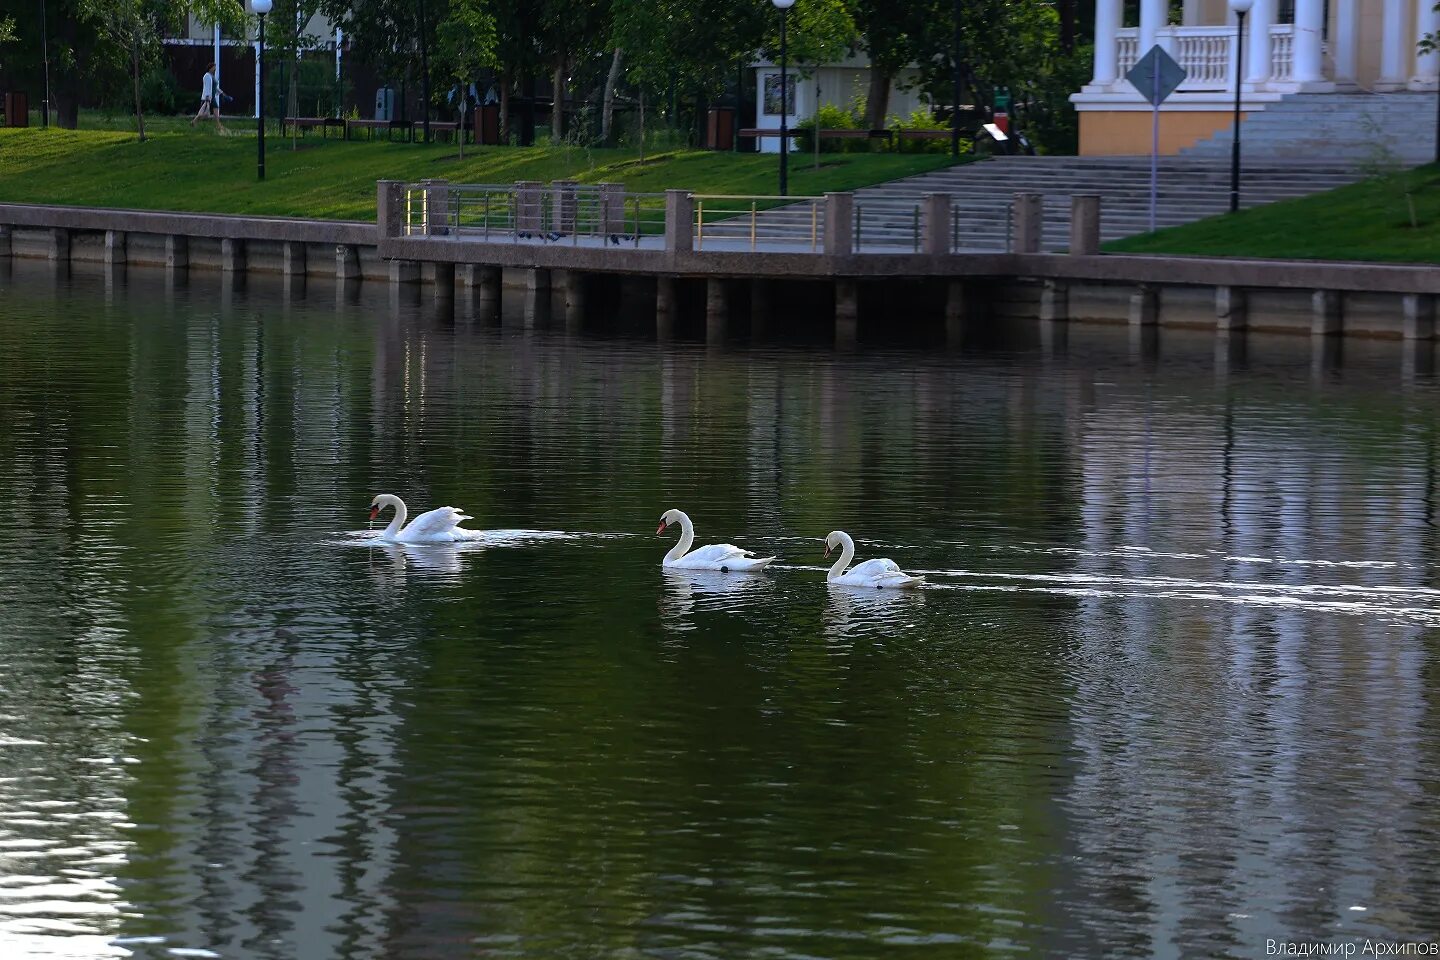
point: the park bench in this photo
(301, 124)
(448, 127)
(888, 136)
(924, 134)
(389, 126)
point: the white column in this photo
(217, 59)
(1347, 28)
(1153, 16)
(1309, 36)
(1257, 43)
(1107, 47)
(1392, 47)
(1427, 65)
(339, 39)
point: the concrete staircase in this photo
(1189, 189)
(1354, 127)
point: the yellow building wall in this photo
(1127, 133)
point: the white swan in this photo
(436, 526)
(871, 573)
(718, 556)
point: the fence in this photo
(563, 212)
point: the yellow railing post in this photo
(699, 224)
(754, 205)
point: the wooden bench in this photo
(389, 126)
(301, 124)
(449, 127)
(755, 133)
(924, 134)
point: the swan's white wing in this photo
(717, 553)
(435, 524)
(875, 568)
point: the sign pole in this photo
(1155, 153)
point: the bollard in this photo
(562, 206)
(936, 239)
(679, 222)
(1084, 225)
(839, 224)
(528, 215)
(1029, 223)
(612, 209)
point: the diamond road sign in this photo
(1156, 75)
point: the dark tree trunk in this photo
(877, 101)
(424, 71)
(607, 111)
(135, 77)
(505, 107)
(557, 112)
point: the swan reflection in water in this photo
(852, 612)
(687, 591)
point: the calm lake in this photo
(1171, 689)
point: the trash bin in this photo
(17, 110)
(720, 128)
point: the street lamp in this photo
(261, 7)
(784, 7)
(1241, 7)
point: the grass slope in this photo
(201, 171)
(1370, 220)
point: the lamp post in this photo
(1241, 7)
(784, 7)
(261, 7)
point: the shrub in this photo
(159, 91)
(921, 119)
(831, 117)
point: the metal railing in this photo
(888, 227)
(751, 223)
(575, 214)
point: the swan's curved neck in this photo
(397, 521)
(687, 537)
(847, 553)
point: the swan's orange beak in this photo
(663, 525)
(373, 512)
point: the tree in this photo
(132, 30)
(465, 45)
(895, 36)
(390, 34)
(570, 31)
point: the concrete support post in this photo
(1231, 308)
(490, 278)
(232, 255)
(114, 248)
(177, 252)
(441, 277)
(612, 208)
(404, 271)
(839, 224)
(537, 297)
(847, 313)
(1055, 301)
(761, 307)
(1419, 316)
(57, 244)
(717, 309)
(293, 259)
(1327, 318)
(563, 206)
(936, 215)
(1084, 225)
(436, 213)
(390, 208)
(667, 305)
(528, 215)
(5, 239)
(1028, 223)
(347, 263)
(574, 300)
(1144, 306)
(679, 222)
(957, 310)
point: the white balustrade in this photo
(1282, 52)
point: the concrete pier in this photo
(177, 252)
(232, 255)
(847, 313)
(347, 263)
(114, 248)
(667, 303)
(574, 300)
(1144, 306)
(1417, 316)
(1055, 301)
(717, 310)
(537, 297)
(293, 261)
(1231, 308)
(1327, 318)
(404, 271)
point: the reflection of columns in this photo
(1153, 14)
(1107, 47)
(1427, 65)
(1257, 43)
(1392, 47)
(1347, 28)
(1309, 35)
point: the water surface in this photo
(1171, 690)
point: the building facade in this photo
(1291, 46)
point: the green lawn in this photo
(199, 170)
(1370, 220)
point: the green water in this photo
(1171, 689)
